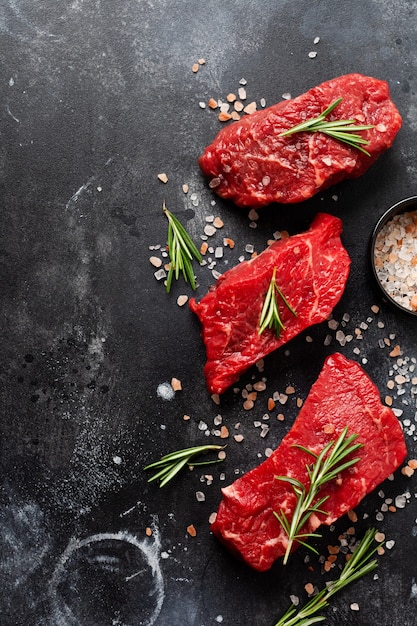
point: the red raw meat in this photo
(312, 270)
(343, 395)
(249, 163)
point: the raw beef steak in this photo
(249, 163)
(343, 395)
(311, 271)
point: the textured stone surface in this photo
(98, 97)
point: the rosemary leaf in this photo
(181, 249)
(270, 316)
(326, 467)
(341, 130)
(171, 464)
(359, 565)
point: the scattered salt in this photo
(242, 93)
(155, 261)
(400, 501)
(165, 391)
(160, 274)
(209, 230)
(181, 300)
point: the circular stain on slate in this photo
(108, 578)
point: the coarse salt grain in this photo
(155, 261)
(165, 391)
(191, 530)
(181, 300)
(176, 384)
(224, 432)
(242, 93)
(309, 588)
(160, 274)
(224, 116)
(209, 230)
(395, 259)
(250, 108)
(214, 182)
(401, 501)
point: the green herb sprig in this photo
(270, 316)
(342, 130)
(170, 464)
(181, 249)
(359, 565)
(327, 465)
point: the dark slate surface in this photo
(97, 98)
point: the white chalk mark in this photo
(75, 197)
(11, 114)
(132, 508)
(150, 550)
(85, 187)
(141, 571)
(413, 592)
(23, 541)
(32, 28)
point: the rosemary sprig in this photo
(181, 250)
(358, 565)
(327, 465)
(170, 464)
(270, 316)
(342, 130)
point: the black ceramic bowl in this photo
(404, 206)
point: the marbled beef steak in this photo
(252, 165)
(311, 270)
(343, 395)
